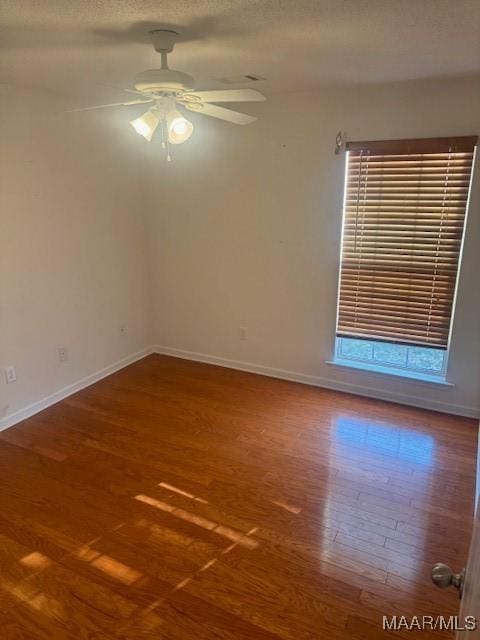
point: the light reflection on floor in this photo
(380, 443)
(200, 521)
(385, 440)
(117, 570)
(32, 596)
(35, 560)
(181, 492)
(36, 599)
(288, 507)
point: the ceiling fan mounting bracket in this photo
(163, 40)
(158, 80)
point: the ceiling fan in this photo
(165, 89)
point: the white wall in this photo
(244, 231)
(72, 246)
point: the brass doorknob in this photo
(443, 577)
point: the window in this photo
(404, 218)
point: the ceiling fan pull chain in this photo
(164, 137)
(165, 142)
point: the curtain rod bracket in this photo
(339, 142)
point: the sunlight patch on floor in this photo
(117, 570)
(222, 530)
(35, 560)
(181, 492)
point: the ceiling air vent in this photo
(249, 77)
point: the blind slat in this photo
(404, 215)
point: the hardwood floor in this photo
(176, 500)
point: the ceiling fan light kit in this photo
(165, 89)
(179, 128)
(146, 125)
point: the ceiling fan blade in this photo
(112, 104)
(138, 93)
(230, 95)
(220, 112)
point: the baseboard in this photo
(326, 383)
(316, 381)
(43, 403)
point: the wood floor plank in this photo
(179, 500)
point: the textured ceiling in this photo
(74, 47)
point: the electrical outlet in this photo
(62, 354)
(10, 375)
(242, 333)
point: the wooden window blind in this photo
(404, 215)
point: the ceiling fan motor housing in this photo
(158, 80)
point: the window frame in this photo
(392, 369)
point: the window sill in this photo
(390, 371)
